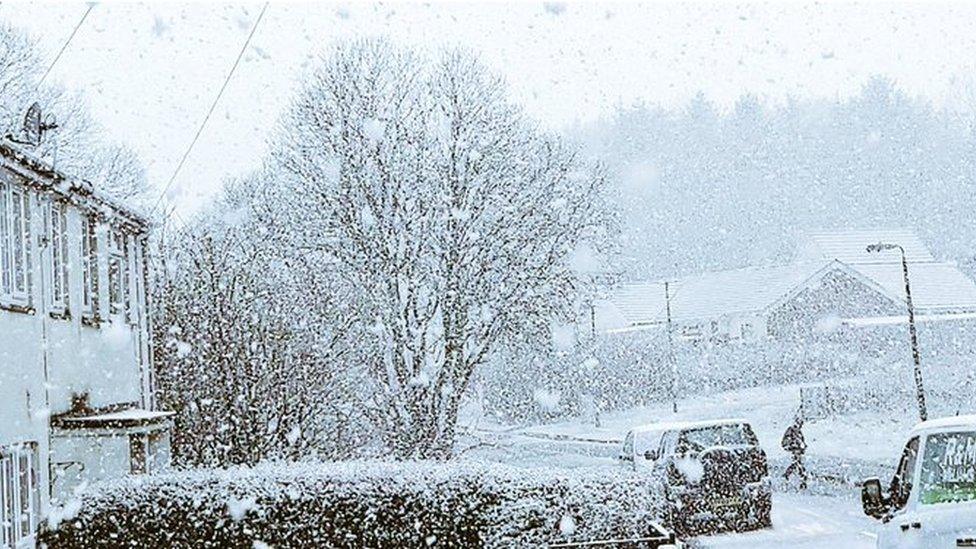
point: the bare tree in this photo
(249, 339)
(451, 214)
(77, 146)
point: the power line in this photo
(64, 47)
(211, 110)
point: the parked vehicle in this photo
(715, 473)
(931, 500)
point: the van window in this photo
(901, 484)
(948, 469)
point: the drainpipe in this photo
(43, 249)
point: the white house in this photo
(75, 368)
(833, 277)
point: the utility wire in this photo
(211, 110)
(64, 47)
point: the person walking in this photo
(794, 443)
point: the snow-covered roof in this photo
(850, 246)
(639, 303)
(935, 286)
(945, 423)
(711, 295)
(26, 164)
(903, 319)
(663, 426)
(753, 289)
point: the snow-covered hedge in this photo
(359, 504)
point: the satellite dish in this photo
(35, 124)
(32, 124)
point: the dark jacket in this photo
(793, 441)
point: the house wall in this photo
(44, 360)
(87, 457)
(809, 313)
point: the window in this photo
(136, 286)
(89, 254)
(57, 237)
(948, 469)
(19, 494)
(15, 244)
(692, 332)
(138, 454)
(697, 440)
(118, 274)
(158, 457)
(669, 443)
(901, 484)
(628, 452)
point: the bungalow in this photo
(75, 369)
(834, 281)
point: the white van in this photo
(931, 501)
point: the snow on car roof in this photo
(681, 425)
(945, 423)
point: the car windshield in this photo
(948, 468)
(720, 435)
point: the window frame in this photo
(119, 275)
(58, 261)
(16, 262)
(19, 477)
(90, 283)
(905, 474)
(139, 454)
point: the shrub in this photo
(359, 504)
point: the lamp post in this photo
(919, 388)
(671, 362)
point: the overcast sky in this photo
(150, 71)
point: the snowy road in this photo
(799, 520)
(806, 521)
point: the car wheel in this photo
(764, 517)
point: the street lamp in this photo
(671, 361)
(919, 388)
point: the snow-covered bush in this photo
(360, 504)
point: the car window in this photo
(948, 468)
(668, 443)
(901, 484)
(719, 435)
(629, 445)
